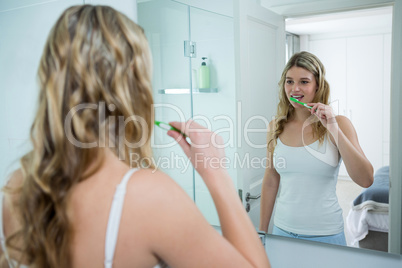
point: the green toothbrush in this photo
(302, 103)
(166, 126)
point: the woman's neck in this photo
(301, 115)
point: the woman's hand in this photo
(326, 116)
(205, 152)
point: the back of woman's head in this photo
(98, 57)
(94, 78)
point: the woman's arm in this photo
(174, 230)
(358, 166)
(190, 241)
(270, 185)
(269, 190)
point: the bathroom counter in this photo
(287, 252)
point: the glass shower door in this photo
(166, 25)
(178, 91)
(215, 108)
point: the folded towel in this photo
(359, 222)
(372, 206)
(370, 209)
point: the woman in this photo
(75, 202)
(305, 146)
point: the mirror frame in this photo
(325, 7)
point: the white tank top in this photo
(307, 203)
(112, 226)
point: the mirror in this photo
(355, 47)
(339, 41)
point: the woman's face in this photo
(301, 85)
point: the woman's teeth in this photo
(298, 97)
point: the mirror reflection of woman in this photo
(71, 205)
(305, 149)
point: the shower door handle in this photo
(249, 197)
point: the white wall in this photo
(224, 7)
(24, 27)
(23, 30)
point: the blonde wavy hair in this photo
(285, 110)
(94, 56)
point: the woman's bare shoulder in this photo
(151, 179)
(15, 180)
(11, 189)
(345, 125)
(11, 197)
(157, 188)
(342, 119)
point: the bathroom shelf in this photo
(187, 90)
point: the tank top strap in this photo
(278, 141)
(113, 225)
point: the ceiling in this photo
(351, 21)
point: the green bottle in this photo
(204, 75)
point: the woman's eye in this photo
(289, 82)
(304, 82)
